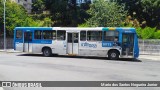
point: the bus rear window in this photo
(19, 34)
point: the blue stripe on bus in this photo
(33, 28)
(41, 41)
(35, 41)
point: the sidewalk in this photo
(9, 51)
(149, 57)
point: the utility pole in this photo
(4, 2)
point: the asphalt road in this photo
(28, 67)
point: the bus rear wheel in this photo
(113, 55)
(47, 52)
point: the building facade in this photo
(26, 3)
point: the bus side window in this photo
(61, 35)
(47, 34)
(83, 35)
(19, 34)
(94, 35)
(110, 35)
(54, 35)
(37, 34)
(30, 36)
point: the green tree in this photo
(16, 16)
(143, 10)
(67, 12)
(29, 22)
(59, 11)
(151, 12)
(105, 14)
(47, 22)
(38, 6)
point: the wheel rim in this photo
(113, 55)
(46, 52)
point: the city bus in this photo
(110, 42)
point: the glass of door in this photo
(27, 42)
(72, 43)
(127, 44)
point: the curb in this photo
(9, 51)
(148, 57)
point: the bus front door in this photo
(27, 44)
(127, 44)
(72, 43)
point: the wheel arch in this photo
(45, 48)
(113, 50)
(113, 54)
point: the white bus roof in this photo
(90, 28)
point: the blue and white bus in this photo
(108, 42)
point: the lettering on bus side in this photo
(46, 42)
(88, 45)
(107, 44)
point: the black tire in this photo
(47, 52)
(113, 55)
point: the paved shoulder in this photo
(150, 57)
(9, 51)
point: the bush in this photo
(83, 25)
(148, 33)
(157, 35)
(139, 32)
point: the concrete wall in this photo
(9, 43)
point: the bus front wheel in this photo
(47, 52)
(113, 55)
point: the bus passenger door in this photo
(72, 43)
(27, 44)
(127, 44)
